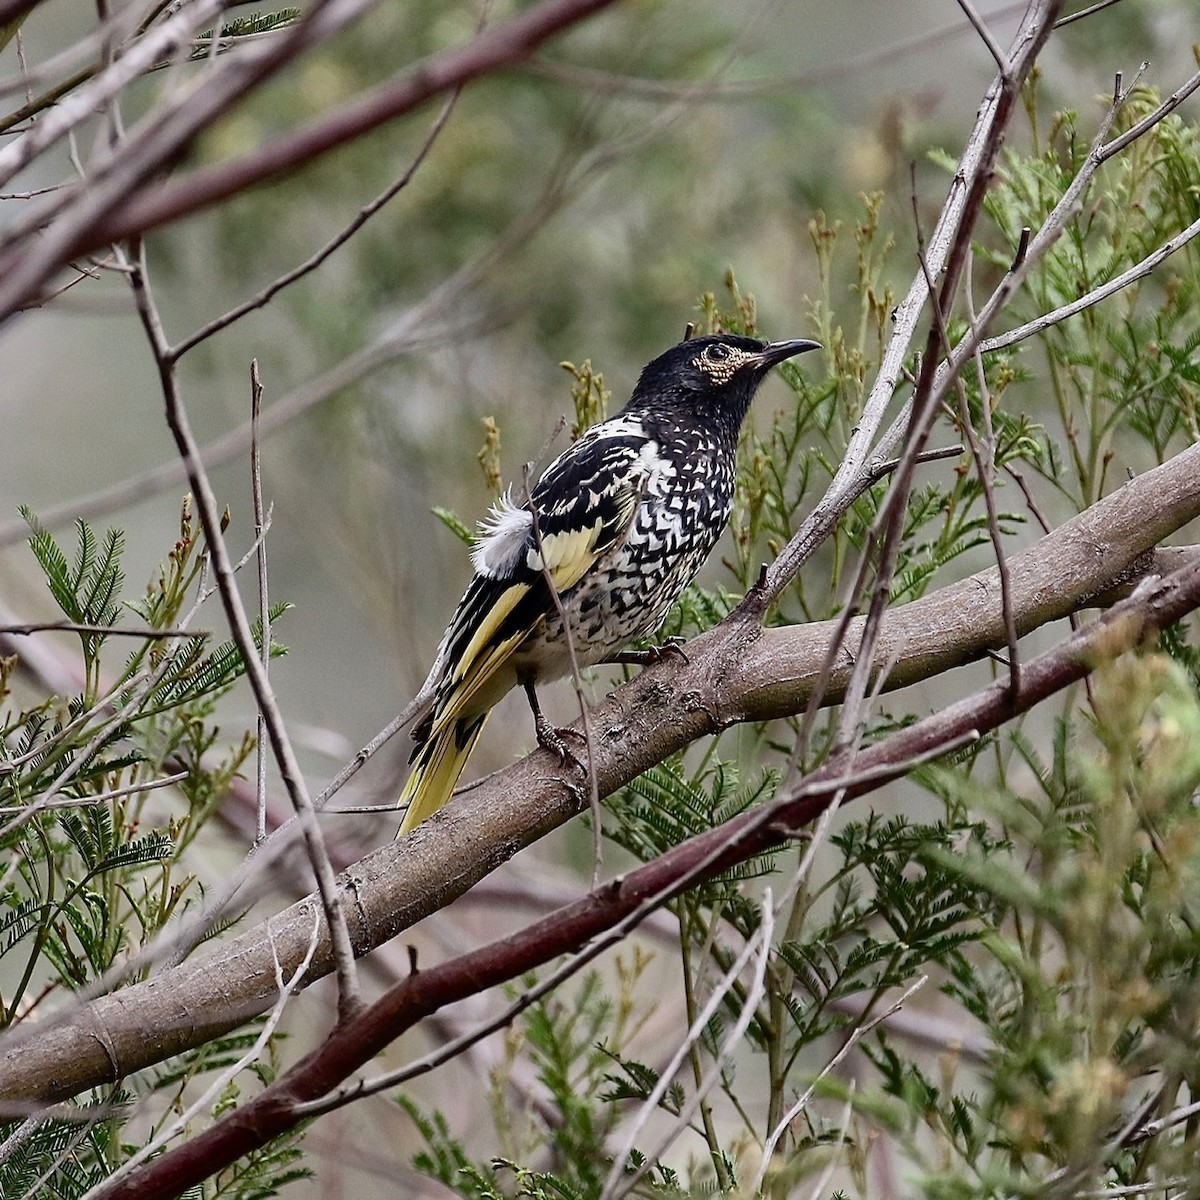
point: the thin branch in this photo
(204, 1102)
(311, 263)
(133, 789)
(576, 681)
(31, 627)
(1118, 283)
(985, 466)
(963, 199)
(619, 1183)
(757, 945)
(856, 1035)
(235, 612)
(985, 35)
(264, 606)
(108, 211)
(928, 391)
(158, 43)
(1091, 10)
(1168, 106)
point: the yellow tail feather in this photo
(439, 762)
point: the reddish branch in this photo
(354, 1043)
(121, 211)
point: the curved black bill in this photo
(776, 352)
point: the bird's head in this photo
(714, 376)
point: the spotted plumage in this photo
(617, 525)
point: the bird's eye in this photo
(717, 353)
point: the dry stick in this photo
(856, 1035)
(349, 1001)
(1132, 275)
(202, 1105)
(619, 1184)
(264, 608)
(905, 318)
(985, 35)
(132, 789)
(822, 1182)
(70, 111)
(759, 943)
(984, 466)
(117, 27)
(1169, 105)
(1034, 32)
(1085, 12)
(151, 635)
(577, 682)
(311, 263)
(350, 1045)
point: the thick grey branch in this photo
(734, 673)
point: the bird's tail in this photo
(436, 765)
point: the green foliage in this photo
(96, 853)
(1048, 890)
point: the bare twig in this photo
(985, 466)
(311, 263)
(856, 1035)
(1118, 283)
(204, 1102)
(132, 789)
(962, 202)
(985, 35)
(264, 607)
(30, 627)
(927, 393)
(158, 43)
(1135, 131)
(1091, 10)
(620, 1182)
(235, 612)
(105, 213)
(576, 681)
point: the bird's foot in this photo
(673, 646)
(554, 739)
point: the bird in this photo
(617, 525)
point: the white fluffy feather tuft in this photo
(505, 535)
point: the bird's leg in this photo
(651, 655)
(548, 736)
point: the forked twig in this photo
(349, 1001)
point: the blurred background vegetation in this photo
(582, 205)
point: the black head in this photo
(713, 378)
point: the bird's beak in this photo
(776, 352)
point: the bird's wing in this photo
(584, 503)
